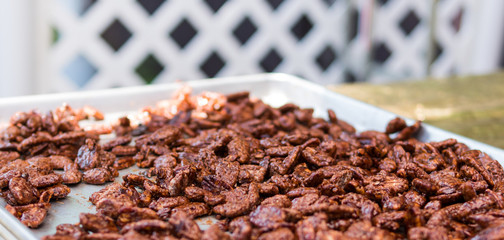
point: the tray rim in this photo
(18, 230)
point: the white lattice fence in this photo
(415, 39)
(113, 43)
(400, 40)
(120, 43)
(467, 37)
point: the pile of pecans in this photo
(31, 148)
(264, 172)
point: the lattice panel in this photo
(102, 44)
(400, 40)
(454, 31)
(99, 44)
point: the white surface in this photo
(488, 43)
(16, 47)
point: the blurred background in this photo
(437, 61)
(67, 45)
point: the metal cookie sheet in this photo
(275, 89)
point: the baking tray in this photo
(275, 89)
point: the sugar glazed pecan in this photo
(263, 172)
(32, 147)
